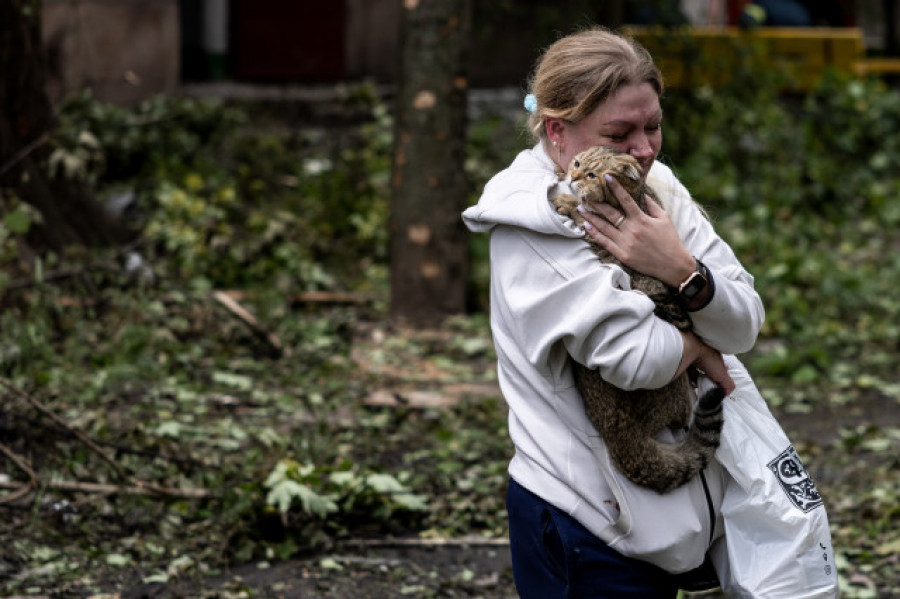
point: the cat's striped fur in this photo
(629, 421)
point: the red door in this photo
(288, 40)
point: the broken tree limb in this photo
(330, 297)
(465, 541)
(138, 489)
(21, 491)
(21, 463)
(105, 265)
(18, 461)
(248, 319)
(25, 151)
(52, 416)
(447, 395)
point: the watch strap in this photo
(710, 282)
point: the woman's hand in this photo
(647, 242)
(703, 357)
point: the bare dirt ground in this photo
(477, 569)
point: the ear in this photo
(632, 173)
(555, 127)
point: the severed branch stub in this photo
(248, 319)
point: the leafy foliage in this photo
(292, 454)
(802, 190)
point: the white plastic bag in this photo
(777, 543)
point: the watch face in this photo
(694, 286)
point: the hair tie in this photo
(530, 103)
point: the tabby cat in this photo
(628, 421)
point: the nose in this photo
(641, 148)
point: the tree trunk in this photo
(70, 214)
(429, 185)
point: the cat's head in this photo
(587, 171)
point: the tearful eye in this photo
(591, 176)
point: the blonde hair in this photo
(579, 72)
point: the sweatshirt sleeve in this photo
(732, 320)
(552, 294)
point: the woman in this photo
(577, 529)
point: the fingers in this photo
(626, 202)
(628, 207)
(599, 227)
(654, 209)
(723, 380)
(610, 215)
(712, 363)
(729, 386)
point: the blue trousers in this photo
(555, 557)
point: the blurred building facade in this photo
(128, 50)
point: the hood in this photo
(519, 196)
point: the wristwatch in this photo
(694, 285)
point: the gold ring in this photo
(620, 221)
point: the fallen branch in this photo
(466, 541)
(117, 448)
(139, 489)
(447, 395)
(330, 297)
(24, 152)
(70, 273)
(248, 319)
(49, 277)
(18, 461)
(81, 436)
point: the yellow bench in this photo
(878, 66)
(693, 56)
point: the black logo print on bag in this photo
(795, 480)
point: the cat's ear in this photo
(632, 173)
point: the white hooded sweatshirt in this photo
(552, 299)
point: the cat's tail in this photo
(664, 467)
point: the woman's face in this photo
(629, 121)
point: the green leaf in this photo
(17, 221)
(285, 492)
(329, 563)
(117, 559)
(891, 547)
(411, 502)
(384, 483)
(156, 578)
(805, 375)
(414, 589)
(180, 564)
(344, 478)
(398, 493)
(238, 381)
(171, 429)
(877, 444)
(269, 437)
